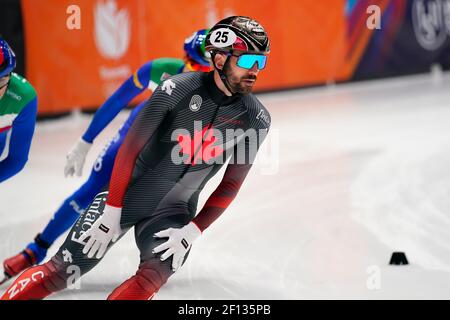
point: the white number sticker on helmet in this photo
(222, 37)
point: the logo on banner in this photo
(431, 22)
(112, 29)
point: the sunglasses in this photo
(247, 61)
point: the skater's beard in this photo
(238, 84)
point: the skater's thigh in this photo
(71, 251)
(146, 242)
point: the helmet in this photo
(238, 33)
(196, 58)
(7, 59)
(194, 47)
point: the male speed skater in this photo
(18, 110)
(191, 125)
(147, 77)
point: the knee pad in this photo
(152, 275)
(148, 280)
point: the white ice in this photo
(363, 170)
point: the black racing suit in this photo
(172, 149)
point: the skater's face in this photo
(241, 80)
(4, 85)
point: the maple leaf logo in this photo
(201, 147)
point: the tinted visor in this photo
(247, 61)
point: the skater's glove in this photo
(103, 231)
(178, 244)
(76, 157)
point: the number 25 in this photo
(221, 37)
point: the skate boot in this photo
(33, 254)
(18, 263)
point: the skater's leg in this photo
(73, 206)
(68, 213)
(32, 284)
(40, 281)
(152, 272)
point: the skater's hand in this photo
(103, 231)
(76, 157)
(179, 243)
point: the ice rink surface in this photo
(359, 171)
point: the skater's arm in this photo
(224, 194)
(132, 87)
(232, 181)
(19, 146)
(142, 129)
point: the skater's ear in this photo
(219, 60)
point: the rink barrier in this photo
(312, 42)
